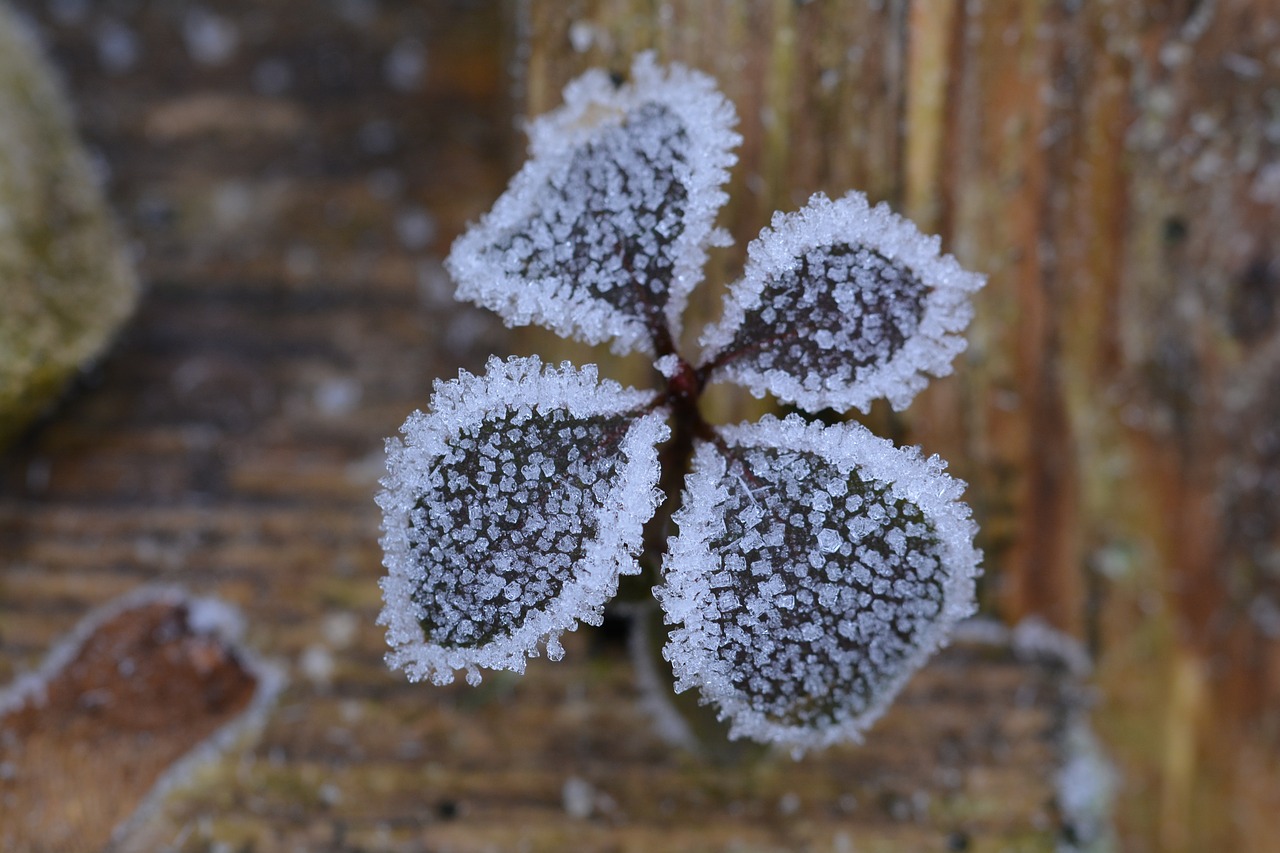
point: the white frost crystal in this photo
(842, 303)
(510, 510)
(603, 233)
(815, 569)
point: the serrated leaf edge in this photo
(591, 103)
(850, 219)
(631, 500)
(846, 445)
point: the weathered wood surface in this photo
(1115, 169)
(296, 312)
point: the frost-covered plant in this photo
(815, 567)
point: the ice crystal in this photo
(510, 511)
(842, 303)
(815, 567)
(604, 232)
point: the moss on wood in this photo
(65, 283)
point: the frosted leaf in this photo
(604, 231)
(840, 304)
(509, 511)
(815, 569)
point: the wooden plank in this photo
(232, 443)
(1111, 167)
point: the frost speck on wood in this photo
(815, 567)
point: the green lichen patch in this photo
(65, 282)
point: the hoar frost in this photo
(510, 510)
(842, 303)
(815, 567)
(603, 233)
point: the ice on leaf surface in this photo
(603, 233)
(510, 510)
(816, 567)
(842, 303)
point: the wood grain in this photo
(232, 443)
(1112, 168)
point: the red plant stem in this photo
(684, 387)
